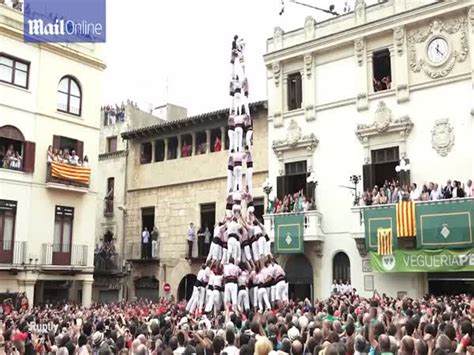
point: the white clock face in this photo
(438, 50)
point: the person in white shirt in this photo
(196, 295)
(204, 280)
(74, 158)
(469, 188)
(239, 132)
(231, 274)
(215, 251)
(281, 283)
(334, 288)
(249, 171)
(218, 290)
(238, 157)
(230, 349)
(415, 193)
(190, 236)
(146, 250)
(253, 288)
(263, 300)
(233, 240)
(231, 129)
(210, 292)
(243, 294)
(230, 174)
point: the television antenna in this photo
(330, 11)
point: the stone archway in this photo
(341, 267)
(185, 288)
(299, 273)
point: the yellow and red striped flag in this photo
(384, 241)
(70, 172)
(406, 222)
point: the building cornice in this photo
(348, 36)
(113, 155)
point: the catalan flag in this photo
(406, 222)
(384, 241)
(69, 172)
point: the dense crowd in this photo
(394, 192)
(343, 324)
(66, 156)
(296, 202)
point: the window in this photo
(15, 152)
(14, 71)
(65, 146)
(341, 267)
(186, 146)
(201, 143)
(63, 220)
(7, 230)
(69, 96)
(112, 144)
(294, 179)
(159, 150)
(172, 148)
(208, 220)
(295, 96)
(148, 218)
(109, 197)
(145, 153)
(216, 143)
(384, 162)
(382, 79)
(259, 205)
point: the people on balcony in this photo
(217, 145)
(191, 236)
(291, 203)
(10, 158)
(65, 157)
(394, 192)
(146, 244)
(186, 150)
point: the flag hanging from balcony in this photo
(70, 172)
(289, 233)
(384, 241)
(406, 225)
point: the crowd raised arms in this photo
(343, 324)
(296, 202)
(394, 192)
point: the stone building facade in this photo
(348, 99)
(169, 190)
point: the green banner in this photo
(445, 224)
(379, 217)
(442, 260)
(289, 234)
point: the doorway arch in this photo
(185, 288)
(299, 273)
(341, 267)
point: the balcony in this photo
(441, 224)
(12, 253)
(67, 177)
(312, 225)
(136, 252)
(107, 264)
(63, 255)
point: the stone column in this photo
(179, 147)
(193, 140)
(87, 292)
(166, 148)
(399, 63)
(223, 137)
(208, 141)
(308, 87)
(153, 147)
(362, 77)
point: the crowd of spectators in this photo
(394, 192)
(66, 157)
(113, 114)
(296, 202)
(10, 158)
(384, 84)
(344, 324)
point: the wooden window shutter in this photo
(368, 176)
(29, 157)
(56, 142)
(280, 186)
(299, 91)
(80, 149)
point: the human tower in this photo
(240, 272)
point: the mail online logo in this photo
(66, 21)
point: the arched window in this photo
(341, 267)
(69, 96)
(15, 152)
